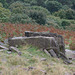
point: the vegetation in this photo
(29, 63)
(10, 30)
(4, 14)
(18, 16)
(58, 13)
(72, 46)
(68, 14)
(53, 6)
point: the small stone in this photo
(31, 55)
(31, 67)
(52, 63)
(9, 52)
(67, 73)
(3, 47)
(74, 73)
(6, 41)
(53, 54)
(25, 69)
(43, 59)
(43, 72)
(20, 53)
(4, 60)
(1, 43)
(15, 49)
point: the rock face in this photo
(39, 41)
(70, 54)
(51, 43)
(58, 38)
(43, 40)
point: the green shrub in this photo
(72, 46)
(54, 21)
(65, 7)
(1, 5)
(37, 8)
(16, 7)
(66, 14)
(38, 16)
(4, 14)
(65, 23)
(20, 18)
(70, 14)
(61, 14)
(53, 6)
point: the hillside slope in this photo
(10, 30)
(32, 62)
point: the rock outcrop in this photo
(51, 43)
(58, 38)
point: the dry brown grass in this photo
(12, 64)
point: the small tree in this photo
(61, 13)
(66, 14)
(4, 14)
(16, 7)
(53, 6)
(38, 16)
(20, 18)
(1, 5)
(70, 14)
(65, 23)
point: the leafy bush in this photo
(65, 23)
(4, 14)
(38, 16)
(67, 2)
(1, 5)
(16, 7)
(60, 13)
(72, 46)
(66, 14)
(53, 6)
(20, 18)
(40, 2)
(54, 21)
(37, 13)
(73, 5)
(70, 14)
(37, 8)
(65, 7)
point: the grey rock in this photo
(9, 52)
(6, 41)
(67, 73)
(31, 68)
(53, 54)
(70, 54)
(25, 69)
(44, 72)
(43, 59)
(40, 42)
(73, 73)
(47, 52)
(1, 43)
(3, 47)
(4, 60)
(15, 49)
(59, 39)
(31, 55)
(67, 62)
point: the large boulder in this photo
(70, 54)
(39, 41)
(59, 39)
